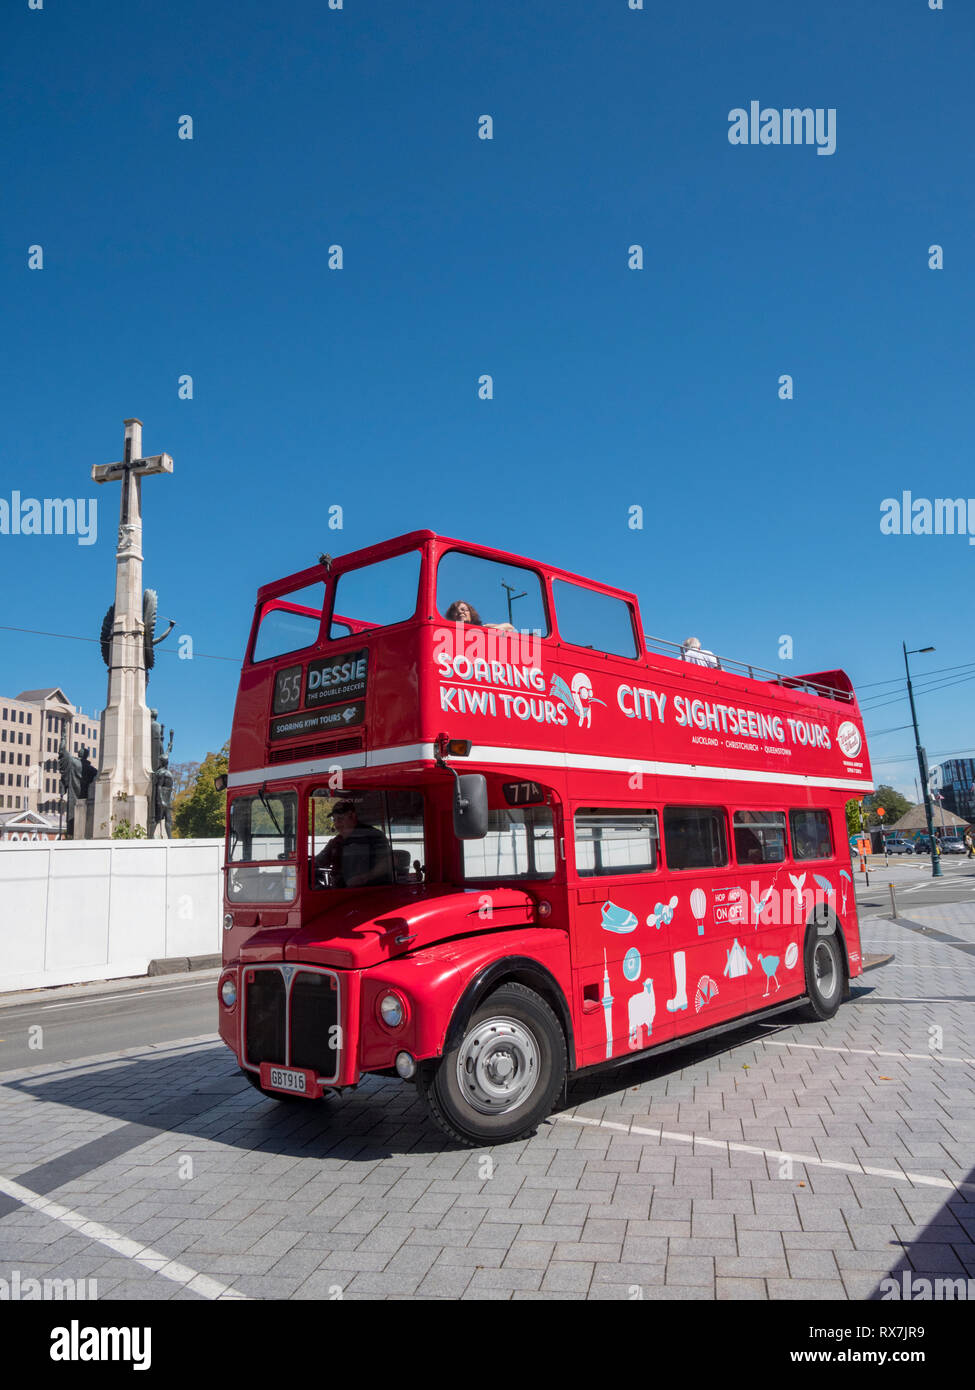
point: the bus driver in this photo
(357, 856)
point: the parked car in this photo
(953, 846)
(895, 845)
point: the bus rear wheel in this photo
(502, 1077)
(824, 975)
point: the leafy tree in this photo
(184, 775)
(853, 817)
(893, 803)
(200, 811)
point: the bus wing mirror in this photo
(470, 807)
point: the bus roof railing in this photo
(749, 669)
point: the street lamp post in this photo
(922, 763)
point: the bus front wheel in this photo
(502, 1077)
(824, 975)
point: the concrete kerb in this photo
(206, 967)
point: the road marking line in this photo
(872, 1052)
(129, 994)
(121, 1245)
(919, 1179)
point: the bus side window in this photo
(695, 837)
(811, 838)
(615, 841)
(759, 837)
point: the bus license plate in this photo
(298, 1082)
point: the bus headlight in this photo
(228, 992)
(392, 1010)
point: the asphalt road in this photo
(153, 1011)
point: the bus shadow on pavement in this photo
(211, 1101)
(938, 1265)
(668, 1064)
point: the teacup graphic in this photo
(618, 919)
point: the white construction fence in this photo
(76, 910)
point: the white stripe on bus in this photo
(532, 757)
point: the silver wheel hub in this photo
(498, 1066)
(825, 969)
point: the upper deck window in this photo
(376, 595)
(484, 593)
(587, 618)
(289, 622)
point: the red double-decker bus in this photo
(484, 832)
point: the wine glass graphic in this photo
(699, 906)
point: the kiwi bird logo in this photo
(579, 698)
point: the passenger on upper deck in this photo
(462, 612)
(700, 656)
(359, 855)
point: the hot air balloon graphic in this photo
(737, 962)
(699, 906)
(706, 989)
(846, 879)
(770, 965)
(662, 912)
(618, 919)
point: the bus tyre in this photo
(502, 1077)
(824, 975)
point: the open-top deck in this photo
(360, 663)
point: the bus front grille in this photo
(314, 1022)
(291, 1018)
(350, 744)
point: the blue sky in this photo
(612, 387)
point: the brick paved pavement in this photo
(791, 1161)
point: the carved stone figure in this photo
(157, 732)
(162, 795)
(70, 769)
(88, 773)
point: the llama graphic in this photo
(642, 1009)
(770, 965)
